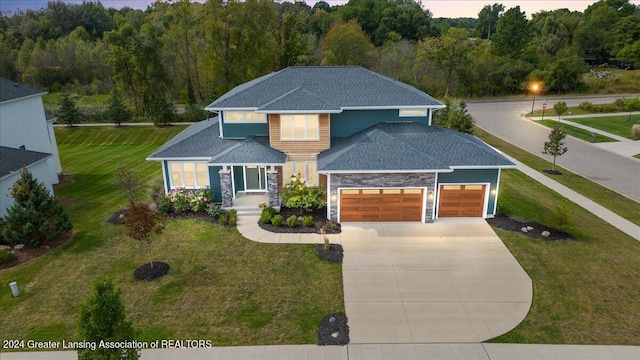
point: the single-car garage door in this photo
(380, 205)
(461, 200)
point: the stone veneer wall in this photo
(384, 180)
(272, 188)
(226, 188)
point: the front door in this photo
(255, 177)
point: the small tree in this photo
(117, 113)
(68, 113)
(560, 108)
(35, 217)
(102, 317)
(129, 182)
(555, 145)
(297, 195)
(455, 116)
(142, 222)
(632, 104)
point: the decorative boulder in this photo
(530, 228)
(524, 229)
(546, 233)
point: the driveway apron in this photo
(450, 281)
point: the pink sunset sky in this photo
(439, 8)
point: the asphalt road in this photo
(504, 119)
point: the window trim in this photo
(195, 175)
(306, 127)
(244, 118)
(305, 176)
(424, 112)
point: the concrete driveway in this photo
(450, 281)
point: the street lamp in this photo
(534, 89)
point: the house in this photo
(366, 138)
(26, 139)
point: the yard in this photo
(576, 132)
(221, 286)
(618, 124)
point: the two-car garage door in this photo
(381, 205)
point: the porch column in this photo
(272, 188)
(226, 188)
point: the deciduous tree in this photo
(555, 146)
(512, 33)
(346, 44)
(560, 108)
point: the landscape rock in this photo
(530, 228)
(19, 246)
(546, 233)
(524, 229)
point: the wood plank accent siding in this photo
(299, 146)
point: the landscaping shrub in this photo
(267, 214)
(215, 211)
(6, 255)
(307, 220)
(331, 225)
(181, 203)
(233, 217)
(635, 132)
(297, 195)
(276, 221)
(292, 221)
(164, 204)
(223, 219)
(191, 200)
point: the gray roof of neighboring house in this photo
(408, 146)
(202, 140)
(12, 159)
(10, 90)
(322, 88)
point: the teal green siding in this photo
(350, 122)
(214, 182)
(235, 131)
(473, 176)
(238, 178)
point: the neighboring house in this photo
(26, 139)
(367, 138)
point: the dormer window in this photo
(244, 117)
(413, 112)
(299, 127)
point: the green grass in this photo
(54, 99)
(576, 132)
(585, 291)
(618, 125)
(637, 156)
(221, 286)
(619, 204)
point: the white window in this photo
(244, 117)
(188, 175)
(307, 169)
(299, 127)
(413, 112)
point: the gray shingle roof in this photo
(12, 159)
(322, 88)
(202, 141)
(408, 146)
(10, 90)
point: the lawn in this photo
(619, 204)
(221, 287)
(585, 290)
(618, 125)
(576, 132)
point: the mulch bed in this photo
(117, 218)
(552, 172)
(27, 253)
(319, 219)
(333, 330)
(507, 223)
(148, 273)
(333, 254)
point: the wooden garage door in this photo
(461, 200)
(381, 205)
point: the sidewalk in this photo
(484, 351)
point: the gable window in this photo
(307, 169)
(412, 112)
(299, 127)
(190, 175)
(244, 117)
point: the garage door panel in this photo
(381, 205)
(461, 200)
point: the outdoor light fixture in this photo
(430, 195)
(493, 191)
(334, 196)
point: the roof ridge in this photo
(281, 96)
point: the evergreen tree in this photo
(102, 318)
(455, 116)
(117, 112)
(555, 145)
(35, 217)
(68, 113)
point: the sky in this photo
(439, 8)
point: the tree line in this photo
(191, 53)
